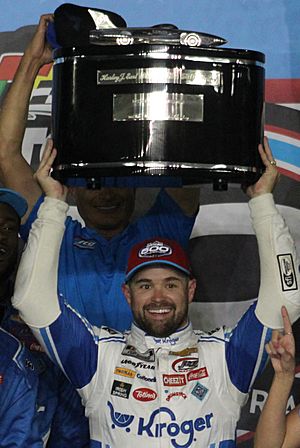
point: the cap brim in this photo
(133, 271)
(15, 200)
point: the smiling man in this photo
(162, 384)
(159, 297)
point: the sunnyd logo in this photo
(152, 427)
(155, 249)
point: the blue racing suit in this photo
(18, 392)
(60, 415)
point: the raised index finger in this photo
(286, 321)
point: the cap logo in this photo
(155, 249)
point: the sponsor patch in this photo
(287, 272)
(177, 395)
(138, 364)
(144, 394)
(120, 389)
(185, 352)
(84, 244)
(146, 378)
(122, 371)
(184, 364)
(174, 380)
(132, 351)
(155, 249)
(197, 374)
(162, 423)
(199, 391)
(166, 341)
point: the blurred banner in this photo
(223, 246)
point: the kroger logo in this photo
(155, 249)
(182, 434)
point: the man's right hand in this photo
(282, 348)
(50, 186)
(38, 48)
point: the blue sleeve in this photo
(69, 426)
(245, 350)
(72, 344)
(17, 414)
(25, 228)
(165, 218)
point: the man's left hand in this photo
(270, 177)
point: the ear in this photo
(191, 289)
(127, 293)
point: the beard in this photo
(162, 328)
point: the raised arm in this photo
(271, 427)
(35, 296)
(277, 254)
(279, 260)
(15, 172)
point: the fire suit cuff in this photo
(262, 206)
(53, 210)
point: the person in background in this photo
(18, 377)
(275, 429)
(50, 403)
(103, 244)
(162, 383)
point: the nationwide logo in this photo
(144, 394)
(162, 423)
(174, 380)
(124, 372)
(184, 364)
(197, 374)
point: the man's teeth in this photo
(160, 310)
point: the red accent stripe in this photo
(289, 174)
(282, 90)
(282, 131)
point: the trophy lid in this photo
(164, 34)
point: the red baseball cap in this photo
(157, 251)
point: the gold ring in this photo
(289, 333)
(273, 162)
